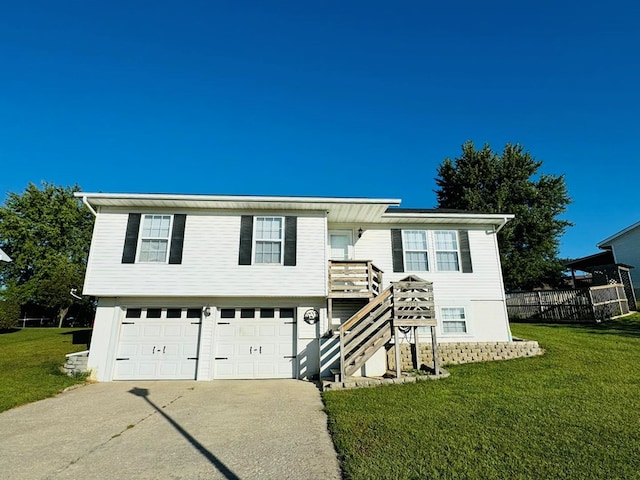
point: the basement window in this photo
(454, 320)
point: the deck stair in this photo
(407, 303)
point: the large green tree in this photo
(47, 233)
(485, 181)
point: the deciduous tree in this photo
(47, 233)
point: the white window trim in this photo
(168, 239)
(255, 240)
(467, 323)
(405, 250)
(436, 251)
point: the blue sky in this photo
(327, 98)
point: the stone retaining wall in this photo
(76, 363)
(462, 352)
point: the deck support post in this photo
(396, 339)
(434, 347)
(417, 344)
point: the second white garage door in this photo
(255, 343)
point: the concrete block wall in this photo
(462, 352)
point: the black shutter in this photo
(246, 239)
(177, 238)
(465, 251)
(131, 238)
(290, 234)
(396, 250)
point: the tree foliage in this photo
(47, 233)
(487, 182)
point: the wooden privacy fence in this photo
(592, 304)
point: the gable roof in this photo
(607, 241)
(4, 257)
(338, 209)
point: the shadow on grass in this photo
(80, 337)
(8, 330)
(625, 327)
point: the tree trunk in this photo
(62, 313)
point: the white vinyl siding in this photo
(154, 238)
(483, 283)
(446, 248)
(415, 250)
(211, 265)
(268, 240)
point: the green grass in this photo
(573, 413)
(30, 362)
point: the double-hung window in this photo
(154, 238)
(446, 247)
(454, 320)
(269, 238)
(415, 250)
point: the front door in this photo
(341, 244)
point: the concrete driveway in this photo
(231, 429)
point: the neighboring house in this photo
(625, 246)
(239, 287)
(4, 257)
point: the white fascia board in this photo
(607, 241)
(236, 198)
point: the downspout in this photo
(504, 222)
(86, 202)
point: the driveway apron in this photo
(225, 429)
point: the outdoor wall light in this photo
(207, 311)
(360, 231)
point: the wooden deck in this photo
(354, 279)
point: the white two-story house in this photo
(243, 287)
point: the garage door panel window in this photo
(134, 313)
(286, 313)
(267, 313)
(159, 313)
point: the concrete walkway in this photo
(232, 429)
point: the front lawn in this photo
(30, 362)
(573, 413)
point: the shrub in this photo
(9, 314)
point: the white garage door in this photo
(158, 344)
(255, 343)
